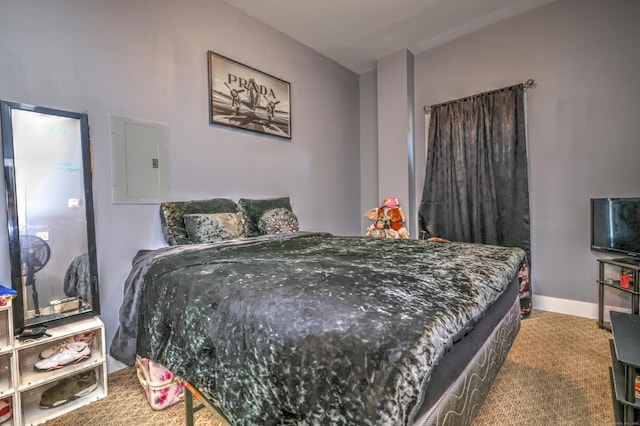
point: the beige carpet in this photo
(556, 374)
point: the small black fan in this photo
(34, 255)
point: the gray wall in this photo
(147, 59)
(583, 119)
(369, 197)
(583, 125)
(395, 107)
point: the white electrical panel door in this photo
(141, 161)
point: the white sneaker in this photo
(72, 353)
(55, 348)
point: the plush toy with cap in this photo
(392, 211)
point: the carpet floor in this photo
(555, 374)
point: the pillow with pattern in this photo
(278, 221)
(252, 210)
(172, 216)
(208, 228)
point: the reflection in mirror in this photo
(49, 213)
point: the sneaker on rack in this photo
(86, 337)
(54, 348)
(72, 353)
(5, 409)
(69, 389)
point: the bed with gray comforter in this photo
(310, 328)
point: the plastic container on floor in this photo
(162, 388)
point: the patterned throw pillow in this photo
(172, 216)
(278, 221)
(207, 228)
(252, 210)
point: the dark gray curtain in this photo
(476, 186)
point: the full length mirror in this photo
(47, 164)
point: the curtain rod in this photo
(526, 84)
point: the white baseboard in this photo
(573, 307)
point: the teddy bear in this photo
(393, 212)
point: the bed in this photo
(312, 328)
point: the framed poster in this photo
(243, 97)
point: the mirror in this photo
(47, 165)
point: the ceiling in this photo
(356, 33)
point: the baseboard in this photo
(573, 307)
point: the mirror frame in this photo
(6, 108)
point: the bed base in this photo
(191, 392)
(461, 402)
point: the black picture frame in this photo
(246, 98)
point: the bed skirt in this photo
(461, 402)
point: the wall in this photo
(147, 59)
(582, 119)
(369, 197)
(395, 130)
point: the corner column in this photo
(396, 134)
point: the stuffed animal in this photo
(391, 210)
(379, 228)
(395, 214)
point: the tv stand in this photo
(625, 362)
(632, 268)
(630, 260)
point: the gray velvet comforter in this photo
(309, 328)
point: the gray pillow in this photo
(252, 210)
(278, 221)
(211, 227)
(172, 212)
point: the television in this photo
(615, 226)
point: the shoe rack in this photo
(25, 385)
(7, 385)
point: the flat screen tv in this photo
(615, 225)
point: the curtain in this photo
(476, 184)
